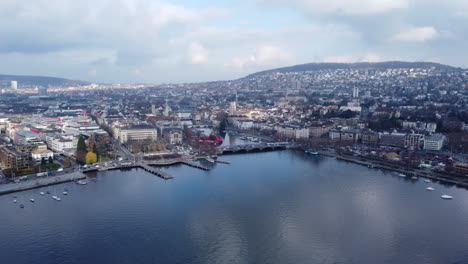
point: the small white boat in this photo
(54, 197)
(58, 199)
(427, 181)
(15, 201)
(414, 178)
(430, 189)
(65, 193)
(42, 193)
(446, 197)
(401, 175)
(81, 182)
(32, 200)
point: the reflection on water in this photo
(273, 207)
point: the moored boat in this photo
(446, 197)
(430, 189)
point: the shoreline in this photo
(38, 183)
(77, 175)
(397, 168)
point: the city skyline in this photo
(174, 42)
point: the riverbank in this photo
(46, 181)
(407, 171)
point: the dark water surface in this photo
(276, 207)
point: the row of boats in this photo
(445, 197)
(311, 152)
(55, 197)
(251, 139)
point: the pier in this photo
(176, 161)
(153, 170)
(195, 165)
(223, 162)
(149, 167)
(40, 182)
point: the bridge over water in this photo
(252, 148)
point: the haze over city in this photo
(178, 41)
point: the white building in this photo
(65, 144)
(355, 92)
(14, 85)
(135, 133)
(414, 141)
(37, 155)
(293, 132)
(173, 136)
(352, 106)
(245, 124)
(434, 142)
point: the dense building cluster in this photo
(420, 109)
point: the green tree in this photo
(81, 150)
(51, 161)
(43, 161)
(81, 146)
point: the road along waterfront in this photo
(41, 182)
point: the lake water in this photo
(275, 207)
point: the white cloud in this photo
(106, 40)
(416, 34)
(264, 57)
(197, 54)
(344, 7)
(92, 72)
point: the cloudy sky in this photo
(186, 40)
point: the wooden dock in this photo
(153, 170)
(223, 162)
(195, 165)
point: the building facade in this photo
(10, 158)
(434, 142)
(135, 133)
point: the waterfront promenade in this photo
(149, 166)
(415, 172)
(40, 182)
